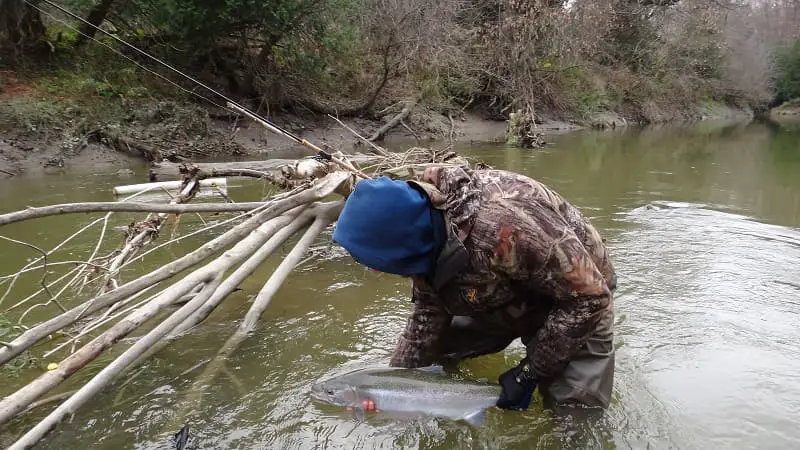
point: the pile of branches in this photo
(92, 307)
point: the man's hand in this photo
(518, 385)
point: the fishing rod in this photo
(322, 154)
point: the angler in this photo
(493, 256)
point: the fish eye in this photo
(329, 391)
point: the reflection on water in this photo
(703, 226)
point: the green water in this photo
(707, 311)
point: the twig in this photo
(147, 233)
(42, 281)
(238, 276)
(378, 149)
(223, 194)
(73, 208)
(410, 130)
(322, 189)
(105, 319)
(261, 302)
(57, 263)
(11, 174)
(48, 400)
(96, 249)
(452, 126)
(26, 299)
(114, 368)
(186, 236)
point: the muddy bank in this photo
(166, 130)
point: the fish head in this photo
(335, 393)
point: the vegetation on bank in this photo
(648, 60)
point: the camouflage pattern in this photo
(532, 267)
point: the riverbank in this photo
(44, 131)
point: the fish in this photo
(425, 391)
(181, 438)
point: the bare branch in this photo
(323, 188)
(42, 281)
(378, 149)
(73, 208)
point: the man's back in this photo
(489, 207)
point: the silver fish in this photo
(424, 391)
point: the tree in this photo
(787, 80)
(21, 28)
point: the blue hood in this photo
(390, 226)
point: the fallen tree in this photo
(208, 274)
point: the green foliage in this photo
(9, 331)
(787, 80)
(201, 24)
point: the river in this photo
(703, 225)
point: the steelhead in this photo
(424, 391)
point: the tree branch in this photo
(74, 208)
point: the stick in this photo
(416, 136)
(452, 127)
(51, 399)
(73, 208)
(11, 174)
(17, 401)
(105, 319)
(322, 189)
(282, 272)
(106, 375)
(256, 310)
(143, 237)
(42, 281)
(393, 122)
(134, 188)
(378, 149)
(170, 171)
(57, 263)
(242, 272)
(50, 252)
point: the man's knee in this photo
(588, 379)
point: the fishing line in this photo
(142, 52)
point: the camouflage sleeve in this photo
(419, 342)
(553, 260)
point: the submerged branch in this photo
(115, 367)
(208, 275)
(319, 190)
(261, 302)
(241, 273)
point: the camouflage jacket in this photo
(518, 253)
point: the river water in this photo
(703, 224)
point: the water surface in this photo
(703, 224)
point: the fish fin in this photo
(437, 369)
(476, 417)
(358, 414)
